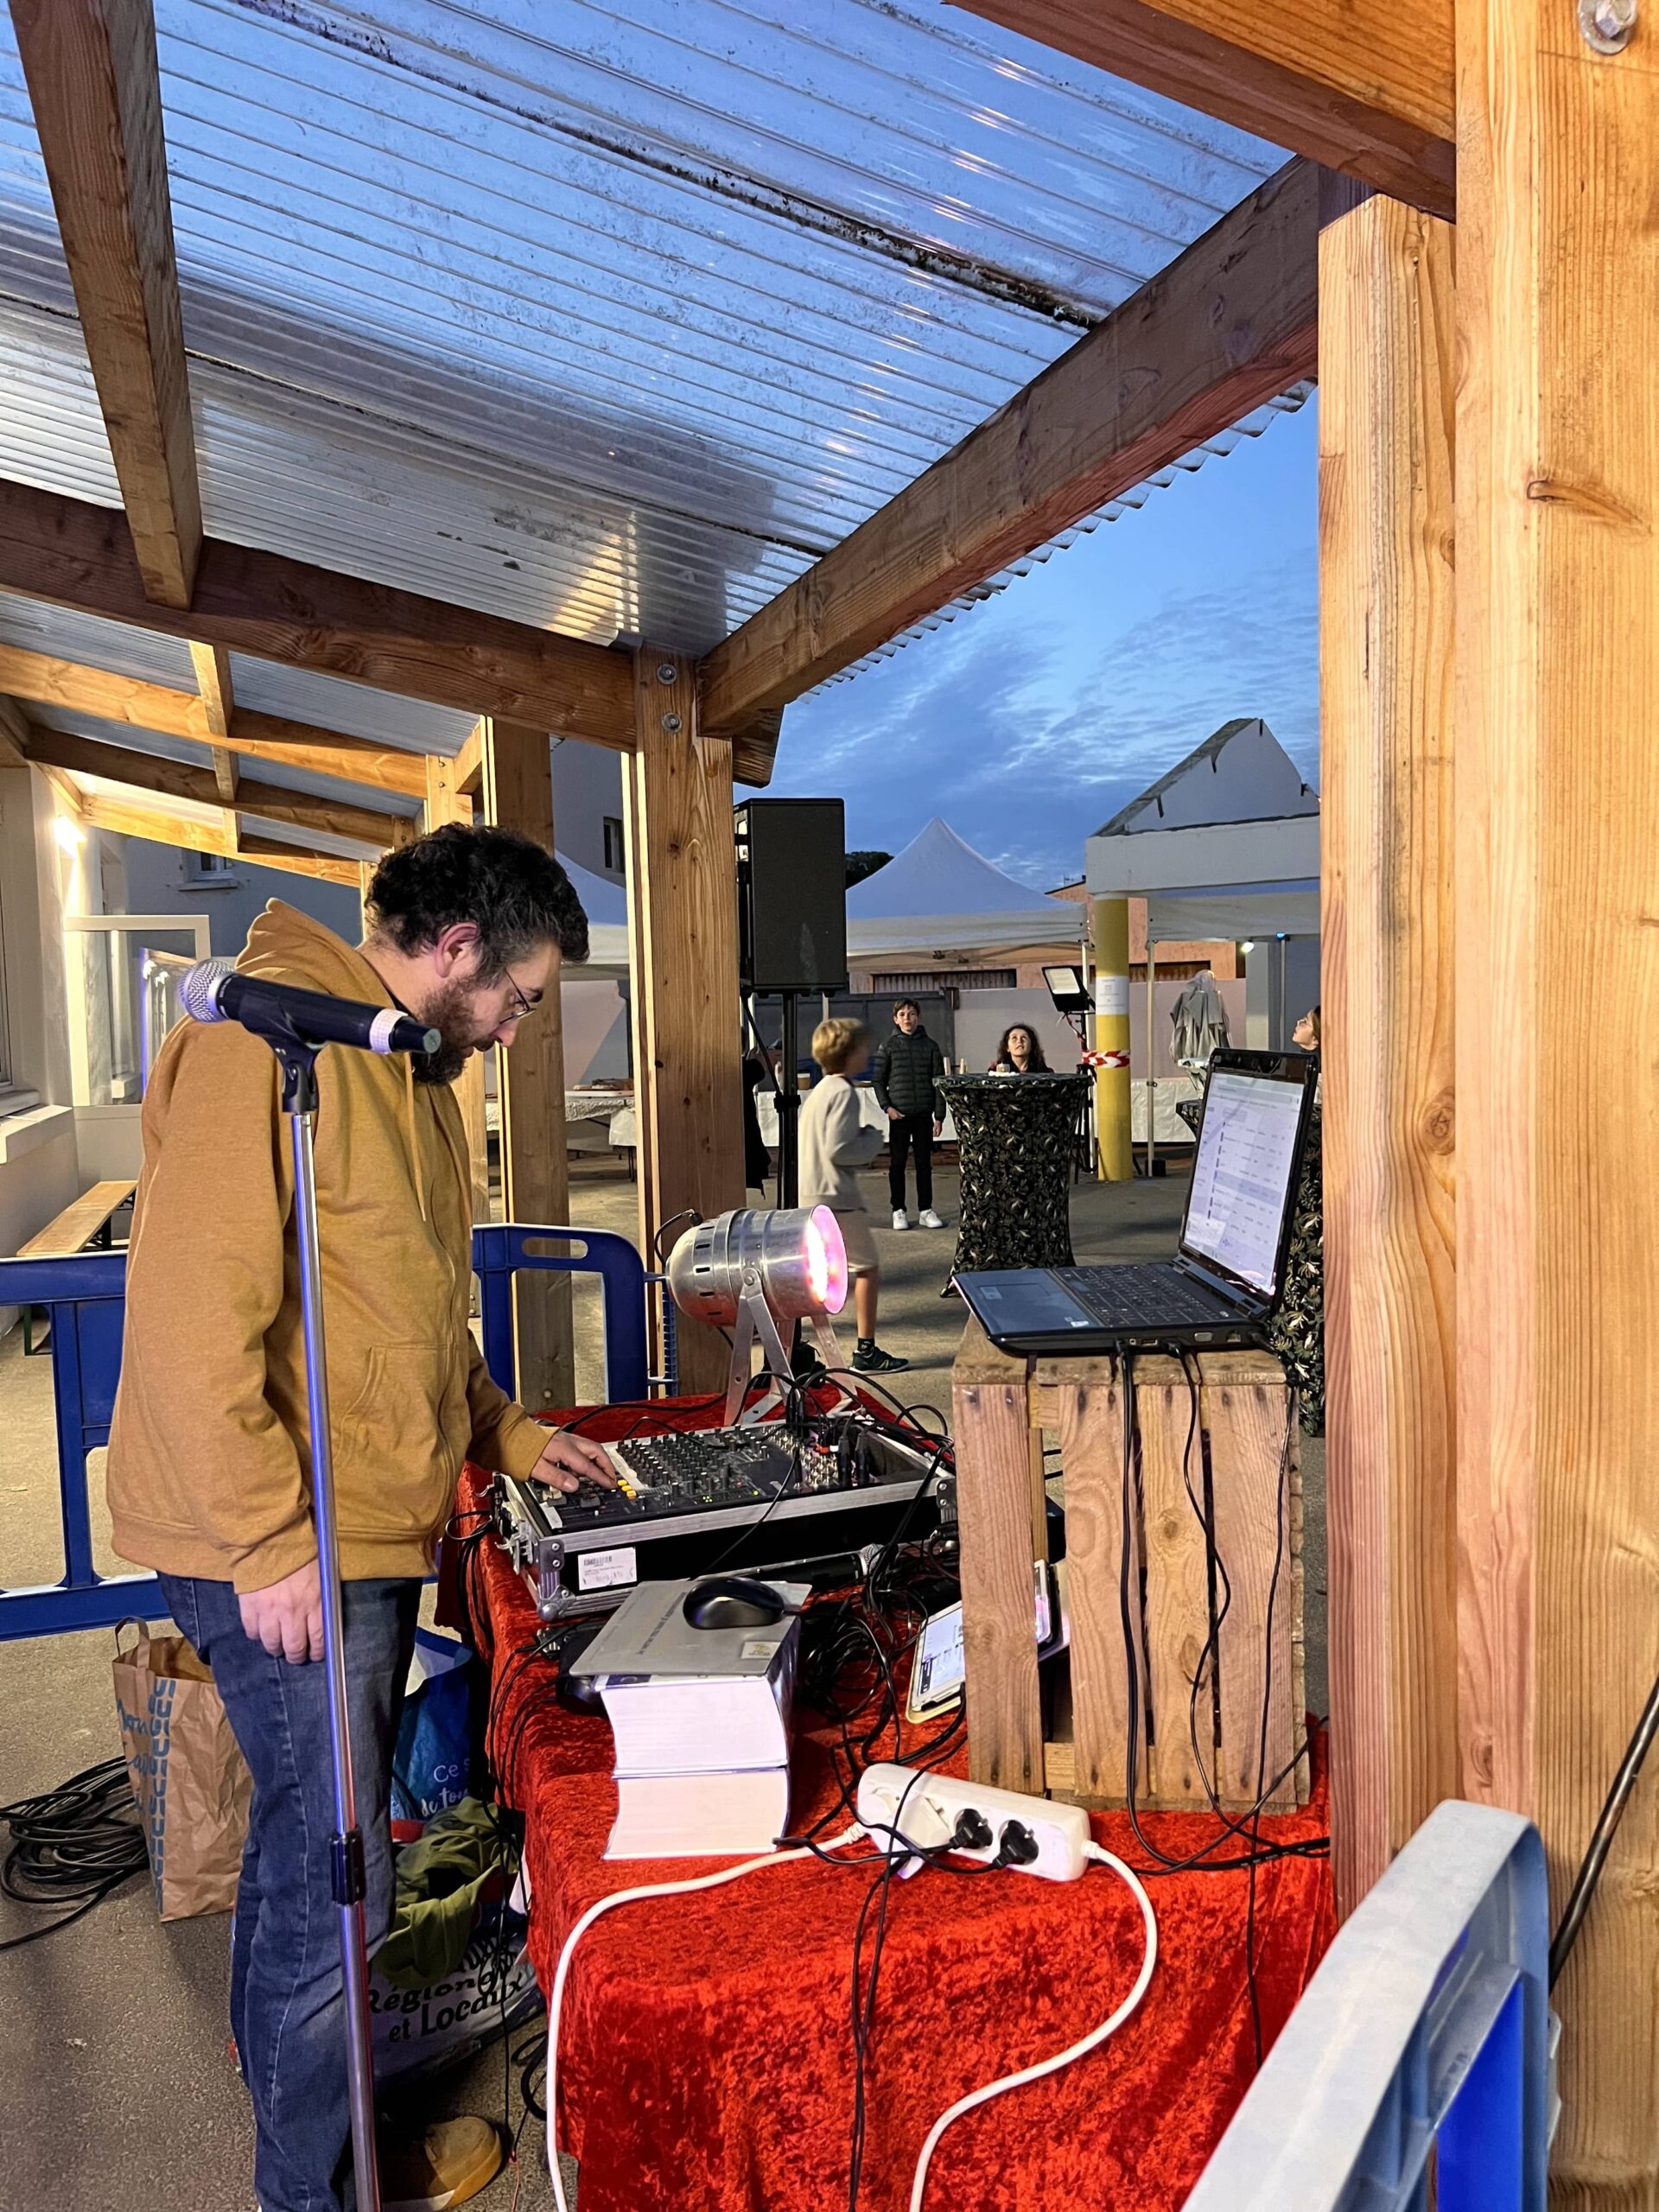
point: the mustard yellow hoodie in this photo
(210, 1440)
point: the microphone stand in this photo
(297, 1056)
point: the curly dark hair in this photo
(509, 886)
(1036, 1065)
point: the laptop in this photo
(1228, 1271)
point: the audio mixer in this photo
(749, 1499)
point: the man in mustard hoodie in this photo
(209, 1444)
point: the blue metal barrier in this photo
(1417, 2069)
(83, 1295)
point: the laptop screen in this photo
(1247, 1153)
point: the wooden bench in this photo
(88, 1223)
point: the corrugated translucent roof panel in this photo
(606, 318)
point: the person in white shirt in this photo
(834, 1145)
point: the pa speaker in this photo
(791, 882)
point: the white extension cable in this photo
(597, 1912)
(1092, 2041)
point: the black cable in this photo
(899, 1853)
(1201, 1861)
(72, 1845)
(1601, 1839)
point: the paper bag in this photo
(191, 1782)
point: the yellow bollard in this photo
(1111, 927)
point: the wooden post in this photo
(444, 804)
(1557, 997)
(683, 916)
(516, 793)
(1386, 396)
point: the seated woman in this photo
(1020, 1053)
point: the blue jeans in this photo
(286, 2005)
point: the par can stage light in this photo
(749, 1270)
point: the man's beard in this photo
(451, 1014)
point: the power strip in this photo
(933, 1804)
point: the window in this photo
(207, 871)
(615, 858)
(920, 980)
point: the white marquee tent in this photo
(940, 896)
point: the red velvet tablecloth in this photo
(706, 2055)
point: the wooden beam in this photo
(1387, 383)
(160, 825)
(148, 772)
(95, 88)
(213, 667)
(1557, 984)
(444, 803)
(271, 852)
(1229, 325)
(1364, 86)
(516, 793)
(324, 753)
(469, 763)
(263, 604)
(14, 734)
(681, 870)
(54, 683)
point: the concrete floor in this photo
(115, 2085)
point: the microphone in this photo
(217, 990)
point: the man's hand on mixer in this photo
(568, 1460)
(286, 1616)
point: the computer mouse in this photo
(733, 1601)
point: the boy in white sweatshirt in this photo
(834, 1145)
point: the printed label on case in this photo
(761, 1647)
(606, 1570)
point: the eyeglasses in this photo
(525, 1006)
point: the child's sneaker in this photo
(929, 1219)
(869, 1359)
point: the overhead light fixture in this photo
(748, 1271)
(1247, 945)
(69, 834)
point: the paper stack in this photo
(701, 1718)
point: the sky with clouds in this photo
(1031, 719)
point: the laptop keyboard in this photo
(1143, 1297)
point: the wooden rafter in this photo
(54, 683)
(263, 604)
(14, 734)
(270, 852)
(213, 667)
(95, 87)
(1231, 324)
(161, 825)
(1364, 86)
(148, 772)
(468, 771)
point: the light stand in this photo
(788, 1107)
(298, 1060)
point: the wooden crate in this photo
(1243, 1468)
